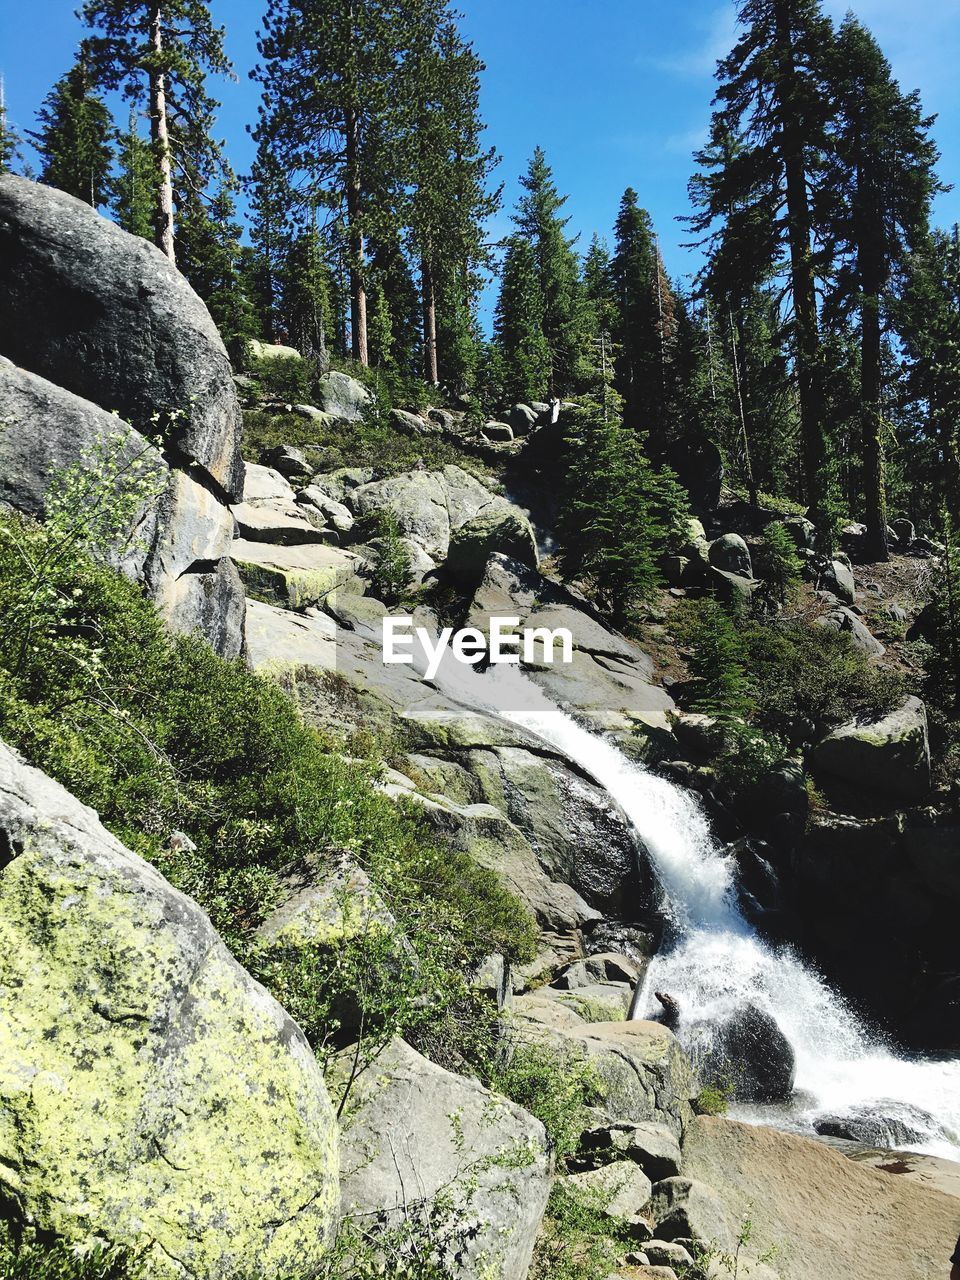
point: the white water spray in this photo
(716, 961)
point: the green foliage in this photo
(712, 1100)
(577, 1241)
(392, 571)
(523, 355)
(160, 735)
(209, 254)
(283, 377)
(776, 560)
(718, 660)
(784, 682)
(29, 1259)
(618, 514)
(555, 1085)
(74, 137)
(556, 271)
(340, 444)
(135, 184)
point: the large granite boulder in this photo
(421, 1143)
(179, 533)
(751, 1056)
(151, 1093)
(490, 531)
(430, 506)
(731, 554)
(106, 315)
(890, 756)
(342, 397)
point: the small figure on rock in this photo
(671, 1010)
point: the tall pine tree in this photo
(134, 198)
(523, 356)
(646, 331)
(759, 182)
(74, 138)
(164, 49)
(328, 71)
(878, 208)
(538, 219)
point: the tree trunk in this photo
(161, 141)
(874, 488)
(358, 293)
(430, 362)
(803, 288)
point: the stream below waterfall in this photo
(713, 960)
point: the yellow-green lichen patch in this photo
(151, 1093)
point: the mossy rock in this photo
(152, 1095)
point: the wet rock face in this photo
(151, 1093)
(105, 315)
(750, 1056)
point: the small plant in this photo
(777, 562)
(712, 1100)
(555, 1086)
(392, 571)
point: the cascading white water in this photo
(716, 961)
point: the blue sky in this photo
(617, 93)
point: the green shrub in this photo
(577, 1241)
(776, 561)
(30, 1259)
(712, 1100)
(556, 1086)
(392, 571)
(284, 377)
(718, 659)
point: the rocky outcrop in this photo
(108, 351)
(820, 1213)
(151, 1093)
(471, 546)
(421, 1141)
(107, 316)
(178, 537)
(890, 756)
(610, 681)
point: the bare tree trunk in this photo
(430, 361)
(874, 488)
(803, 288)
(358, 293)
(161, 142)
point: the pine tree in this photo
(306, 288)
(165, 48)
(718, 664)
(600, 319)
(617, 513)
(74, 138)
(538, 219)
(446, 170)
(878, 207)
(134, 198)
(522, 350)
(928, 321)
(210, 257)
(328, 73)
(760, 179)
(10, 140)
(272, 231)
(646, 331)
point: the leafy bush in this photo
(285, 377)
(578, 1241)
(30, 1259)
(777, 562)
(554, 1085)
(792, 682)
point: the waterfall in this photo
(714, 960)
